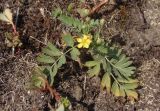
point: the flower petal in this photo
(85, 37)
(86, 45)
(88, 41)
(79, 39)
(80, 45)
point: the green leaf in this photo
(131, 85)
(125, 72)
(75, 53)
(122, 92)
(115, 89)
(45, 59)
(68, 39)
(116, 72)
(128, 80)
(109, 69)
(94, 71)
(48, 52)
(128, 63)
(123, 67)
(61, 61)
(104, 65)
(106, 82)
(132, 93)
(91, 63)
(53, 73)
(51, 47)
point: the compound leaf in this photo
(123, 67)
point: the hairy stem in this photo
(61, 56)
(14, 29)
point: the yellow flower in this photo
(84, 41)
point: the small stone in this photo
(77, 92)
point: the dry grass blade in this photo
(7, 16)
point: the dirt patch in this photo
(133, 25)
(14, 77)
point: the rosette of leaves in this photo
(52, 58)
(116, 68)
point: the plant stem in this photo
(52, 91)
(14, 29)
(61, 56)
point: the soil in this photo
(133, 25)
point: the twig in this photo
(38, 40)
(84, 84)
(97, 7)
(112, 17)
